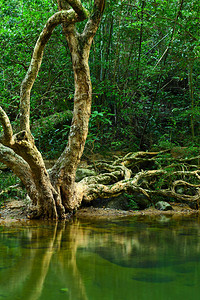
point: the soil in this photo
(17, 211)
(91, 212)
(13, 210)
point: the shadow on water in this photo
(87, 260)
(151, 277)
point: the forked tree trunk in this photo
(54, 194)
(63, 173)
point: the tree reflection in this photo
(33, 256)
(37, 260)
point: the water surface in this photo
(127, 259)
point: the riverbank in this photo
(17, 211)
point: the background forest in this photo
(144, 66)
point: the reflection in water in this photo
(120, 259)
(151, 277)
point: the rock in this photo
(150, 277)
(15, 204)
(119, 202)
(141, 200)
(180, 190)
(162, 205)
(82, 173)
(193, 204)
(123, 202)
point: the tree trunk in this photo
(54, 194)
(64, 171)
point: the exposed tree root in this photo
(153, 174)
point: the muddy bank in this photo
(92, 212)
(17, 211)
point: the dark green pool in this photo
(127, 259)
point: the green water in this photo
(127, 259)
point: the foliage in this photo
(99, 129)
(164, 143)
(144, 67)
(8, 180)
(51, 132)
(131, 202)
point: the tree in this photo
(54, 193)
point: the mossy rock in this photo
(163, 206)
(123, 202)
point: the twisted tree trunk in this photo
(53, 195)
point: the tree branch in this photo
(79, 9)
(21, 168)
(94, 20)
(69, 17)
(7, 127)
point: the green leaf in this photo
(64, 290)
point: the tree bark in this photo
(54, 194)
(126, 175)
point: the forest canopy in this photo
(144, 64)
